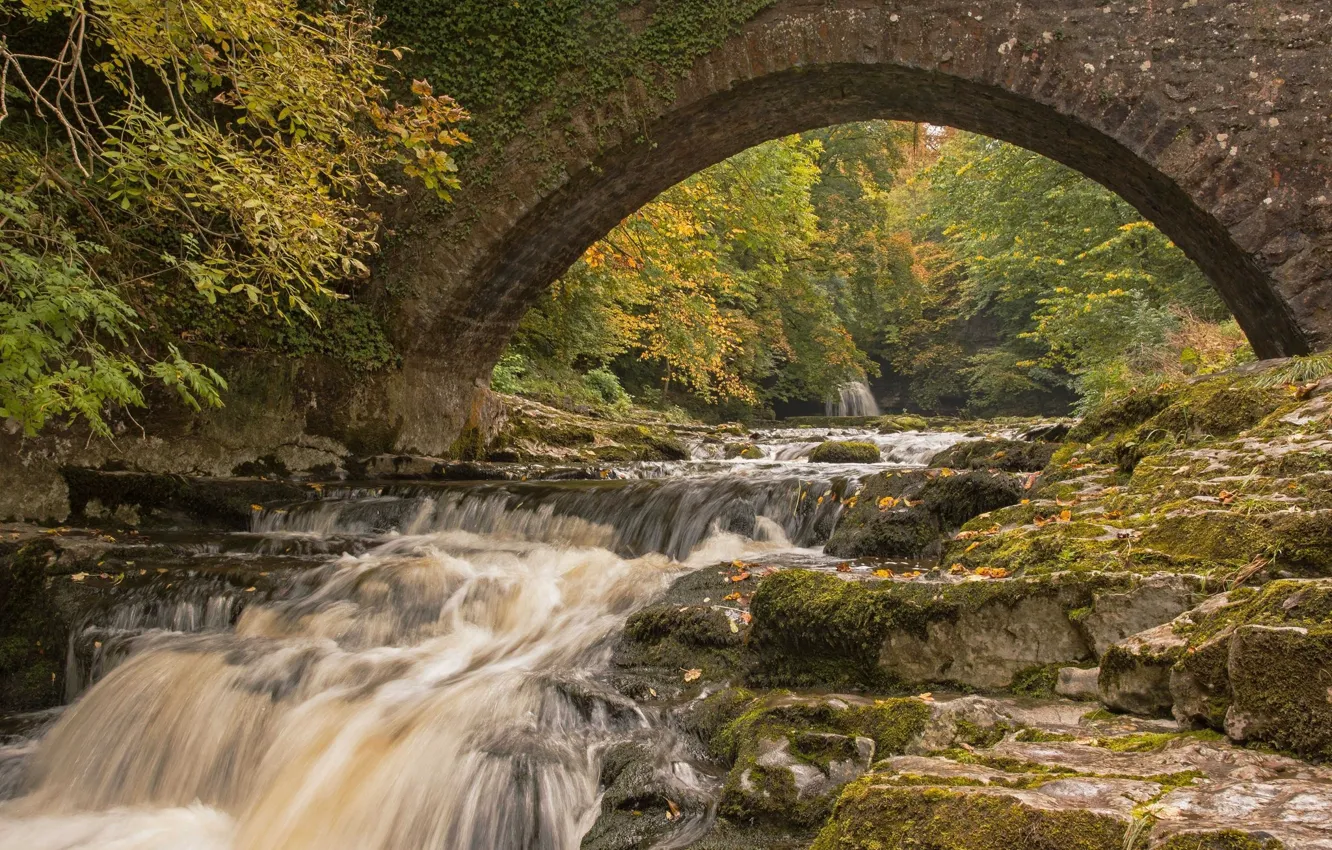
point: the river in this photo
(416, 666)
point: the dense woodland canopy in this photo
(962, 273)
(189, 177)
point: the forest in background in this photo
(957, 273)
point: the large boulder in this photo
(1002, 455)
(906, 514)
(1250, 663)
(991, 634)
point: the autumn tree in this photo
(190, 149)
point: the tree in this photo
(229, 145)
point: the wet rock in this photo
(173, 499)
(1003, 455)
(692, 628)
(1046, 432)
(1079, 683)
(905, 422)
(33, 629)
(1135, 673)
(748, 451)
(643, 802)
(904, 515)
(845, 451)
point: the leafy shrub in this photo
(606, 385)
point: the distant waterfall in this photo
(856, 400)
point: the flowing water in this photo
(414, 667)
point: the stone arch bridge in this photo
(1213, 118)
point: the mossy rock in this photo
(1217, 408)
(746, 451)
(1227, 839)
(845, 451)
(789, 756)
(33, 632)
(904, 422)
(815, 629)
(871, 816)
(904, 515)
(1003, 455)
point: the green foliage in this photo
(224, 149)
(708, 287)
(63, 331)
(1075, 281)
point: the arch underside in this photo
(546, 241)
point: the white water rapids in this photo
(440, 686)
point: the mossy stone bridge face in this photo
(1213, 118)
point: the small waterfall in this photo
(856, 399)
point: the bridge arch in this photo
(1213, 119)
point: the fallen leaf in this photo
(887, 502)
(957, 569)
(926, 697)
(843, 568)
(1065, 516)
(746, 617)
(734, 628)
(732, 597)
(974, 546)
(672, 810)
(740, 576)
(256, 507)
(78, 577)
(693, 675)
(884, 573)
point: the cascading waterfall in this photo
(441, 683)
(855, 399)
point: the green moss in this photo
(845, 451)
(1229, 839)
(669, 640)
(875, 817)
(1152, 742)
(1037, 681)
(1217, 408)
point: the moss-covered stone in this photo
(1003, 455)
(845, 451)
(817, 629)
(870, 816)
(788, 755)
(905, 514)
(1228, 839)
